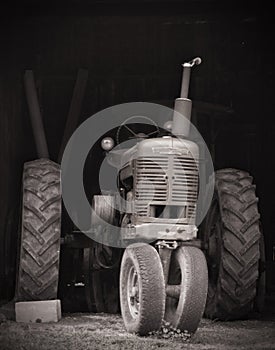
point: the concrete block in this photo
(38, 311)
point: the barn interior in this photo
(133, 51)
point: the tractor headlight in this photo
(107, 143)
(168, 125)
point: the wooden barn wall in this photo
(135, 54)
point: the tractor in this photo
(167, 268)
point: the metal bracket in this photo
(165, 252)
(167, 244)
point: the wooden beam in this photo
(35, 115)
(75, 109)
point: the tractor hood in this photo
(153, 147)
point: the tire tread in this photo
(38, 265)
(236, 285)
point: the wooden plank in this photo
(75, 109)
(35, 115)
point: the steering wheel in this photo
(133, 134)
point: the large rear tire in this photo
(261, 282)
(231, 234)
(187, 284)
(40, 232)
(142, 289)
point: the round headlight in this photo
(107, 143)
(168, 125)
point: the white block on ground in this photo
(38, 311)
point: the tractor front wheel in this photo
(187, 288)
(142, 289)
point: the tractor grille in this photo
(151, 183)
(185, 184)
(166, 180)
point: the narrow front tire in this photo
(142, 289)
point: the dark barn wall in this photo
(134, 53)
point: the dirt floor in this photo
(102, 331)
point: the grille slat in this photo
(154, 182)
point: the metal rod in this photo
(181, 117)
(35, 115)
(183, 105)
(173, 291)
(186, 75)
(165, 257)
(185, 81)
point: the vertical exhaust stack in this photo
(183, 105)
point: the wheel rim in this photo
(133, 292)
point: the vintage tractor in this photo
(169, 269)
(165, 277)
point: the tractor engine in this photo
(162, 200)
